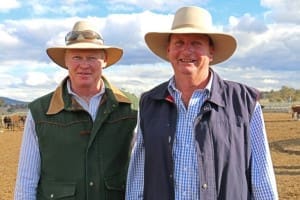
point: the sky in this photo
(267, 32)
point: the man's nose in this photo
(188, 47)
(85, 62)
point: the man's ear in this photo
(168, 50)
(211, 54)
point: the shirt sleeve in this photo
(135, 178)
(29, 163)
(262, 172)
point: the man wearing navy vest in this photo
(199, 136)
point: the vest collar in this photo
(216, 91)
(57, 103)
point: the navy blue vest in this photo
(222, 133)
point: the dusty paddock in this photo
(283, 134)
(9, 145)
(284, 139)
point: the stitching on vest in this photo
(61, 124)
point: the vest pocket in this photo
(56, 190)
(115, 187)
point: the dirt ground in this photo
(284, 139)
(283, 134)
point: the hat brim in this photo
(57, 54)
(224, 44)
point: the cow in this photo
(296, 112)
(7, 121)
(12, 121)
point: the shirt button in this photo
(204, 186)
(51, 196)
(91, 183)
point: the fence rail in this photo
(278, 107)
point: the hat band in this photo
(84, 40)
(83, 36)
(181, 26)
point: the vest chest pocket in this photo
(56, 190)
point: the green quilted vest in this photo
(82, 159)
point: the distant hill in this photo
(8, 106)
(12, 102)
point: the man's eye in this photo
(91, 59)
(76, 58)
(197, 43)
(178, 43)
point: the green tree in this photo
(287, 93)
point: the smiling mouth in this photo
(84, 73)
(186, 60)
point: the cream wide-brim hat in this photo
(57, 54)
(192, 20)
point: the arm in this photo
(135, 178)
(262, 173)
(29, 163)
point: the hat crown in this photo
(192, 17)
(83, 26)
(84, 31)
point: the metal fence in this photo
(278, 107)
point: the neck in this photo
(87, 93)
(189, 84)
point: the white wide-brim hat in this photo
(57, 54)
(192, 20)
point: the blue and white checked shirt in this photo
(186, 170)
(30, 162)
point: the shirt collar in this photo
(172, 88)
(70, 91)
(57, 102)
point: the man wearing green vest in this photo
(76, 140)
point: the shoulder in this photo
(241, 89)
(132, 98)
(229, 88)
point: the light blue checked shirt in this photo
(186, 169)
(30, 162)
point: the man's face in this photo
(189, 53)
(85, 67)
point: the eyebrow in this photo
(210, 41)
